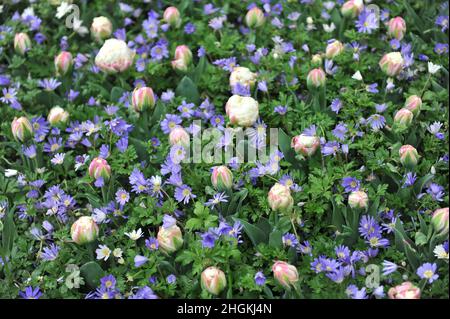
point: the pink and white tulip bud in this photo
(413, 103)
(316, 78)
(101, 28)
(179, 136)
(392, 63)
(440, 221)
(316, 59)
(213, 280)
(404, 291)
(279, 198)
(285, 274)
(243, 76)
(21, 129)
(99, 168)
(170, 239)
(352, 8)
(114, 56)
(358, 199)
(403, 118)
(57, 115)
(143, 98)
(334, 49)
(183, 57)
(222, 178)
(22, 43)
(172, 17)
(84, 230)
(242, 110)
(254, 17)
(408, 156)
(63, 62)
(305, 145)
(397, 28)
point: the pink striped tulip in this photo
(279, 198)
(403, 117)
(63, 62)
(305, 145)
(57, 115)
(316, 78)
(172, 17)
(22, 43)
(101, 28)
(99, 168)
(358, 199)
(334, 49)
(84, 230)
(440, 221)
(285, 274)
(170, 239)
(114, 56)
(404, 291)
(21, 129)
(397, 28)
(179, 136)
(352, 8)
(222, 178)
(413, 103)
(143, 98)
(254, 18)
(408, 156)
(392, 63)
(213, 280)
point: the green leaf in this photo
(420, 184)
(116, 93)
(275, 240)
(284, 141)
(199, 69)
(187, 89)
(9, 233)
(255, 234)
(420, 239)
(92, 273)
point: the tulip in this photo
(179, 136)
(172, 17)
(183, 57)
(84, 230)
(413, 103)
(22, 43)
(397, 28)
(21, 129)
(316, 59)
(222, 178)
(57, 115)
(170, 239)
(316, 78)
(63, 62)
(285, 274)
(358, 199)
(392, 63)
(143, 98)
(305, 145)
(280, 198)
(334, 49)
(243, 76)
(99, 168)
(408, 156)
(101, 28)
(352, 8)
(114, 56)
(403, 118)
(440, 221)
(254, 17)
(404, 291)
(242, 110)
(213, 280)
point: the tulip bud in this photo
(213, 280)
(242, 110)
(413, 103)
(243, 76)
(280, 198)
(352, 8)
(84, 230)
(392, 63)
(170, 239)
(22, 43)
(404, 291)
(358, 199)
(397, 28)
(179, 136)
(408, 156)
(57, 115)
(101, 28)
(316, 78)
(254, 18)
(285, 274)
(334, 49)
(172, 17)
(305, 145)
(440, 221)
(316, 59)
(183, 57)
(143, 98)
(403, 118)
(63, 62)
(222, 178)
(21, 129)
(114, 56)
(99, 168)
